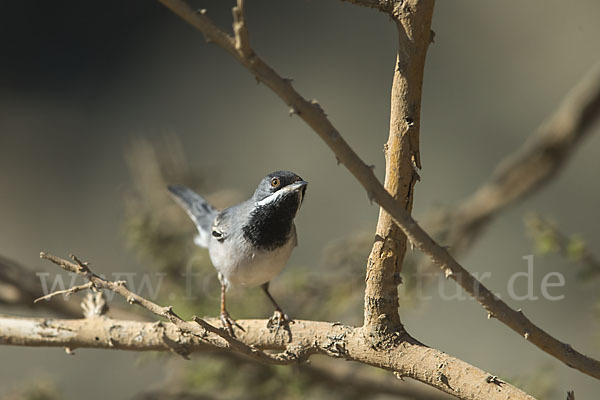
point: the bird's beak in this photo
(296, 186)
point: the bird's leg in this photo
(278, 318)
(226, 319)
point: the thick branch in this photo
(208, 334)
(402, 160)
(19, 287)
(314, 116)
(410, 358)
(299, 340)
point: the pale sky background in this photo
(80, 80)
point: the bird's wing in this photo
(221, 226)
(199, 210)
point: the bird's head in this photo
(280, 187)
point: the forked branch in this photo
(410, 359)
(206, 334)
(315, 117)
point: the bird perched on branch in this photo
(251, 242)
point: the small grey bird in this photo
(251, 242)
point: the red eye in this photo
(275, 182)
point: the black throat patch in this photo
(269, 226)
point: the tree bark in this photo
(413, 21)
(410, 359)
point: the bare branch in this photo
(533, 165)
(365, 386)
(201, 329)
(402, 161)
(242, 42)
(20, 286)
(66, 292)
(410, 359)
(28, 288)
(318, 121)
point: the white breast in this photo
(246, 266)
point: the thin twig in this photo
(200, 329)
(20, 286)
(242, 42)
(316, 118)
(66, 292)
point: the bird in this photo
(251, 242)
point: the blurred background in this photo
(103, 103)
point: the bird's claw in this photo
(229, 323)
(278, 320)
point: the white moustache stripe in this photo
(273, 197)
(280, 193)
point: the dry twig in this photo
(208, 334)
(316, 118)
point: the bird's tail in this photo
(199, 210)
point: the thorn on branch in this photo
(444, 379)
(168, 311)
(316, 104)
(494, 379)
(242, 42)
(293, 111)
(397, 279)
(370, 196)
(184, 327)
(415, 168)
(334, 135)
(83, 266)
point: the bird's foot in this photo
(278, 320)
(229, 323)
